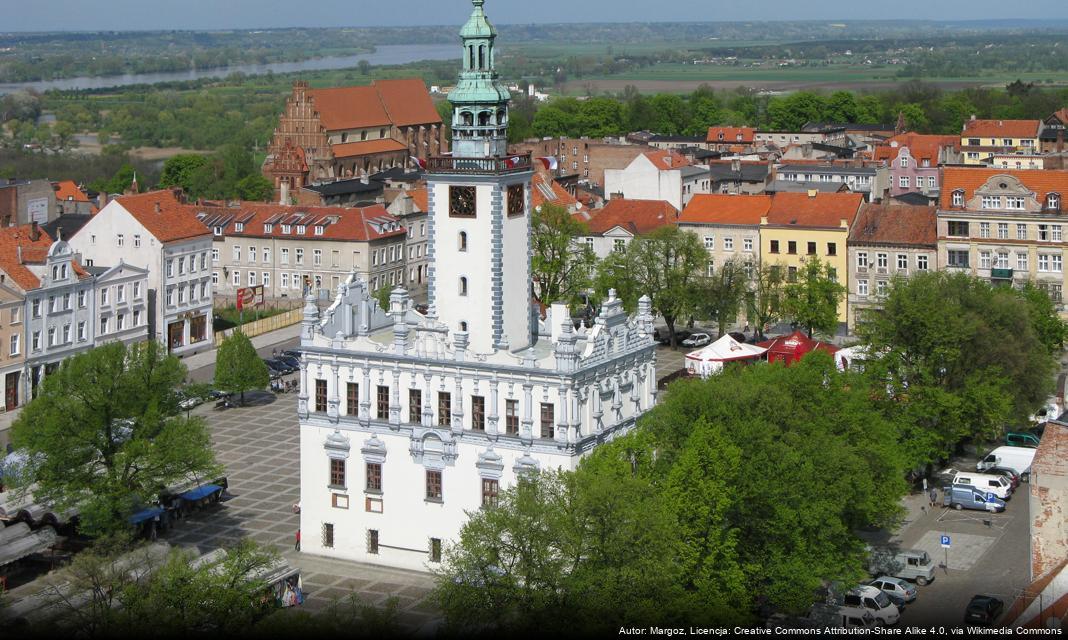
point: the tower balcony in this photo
(517, 163)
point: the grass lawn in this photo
(229, 317)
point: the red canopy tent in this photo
(791, 348)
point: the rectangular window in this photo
(903, 182)
(1055, 263)
(328, 535)
(433, 485)
(1055, 233)
(444, 408)
(957, 258)
(1021, 261)
(747, 244)
(862, 287)
(120, 239)
(832, 248)
(958, 228)
(902, 261)
(372, 541)
(511, 417)
(1002, 261)
(1003, 231)
(984, 259)
(791, 247)
(374, 476)
(774, 246)
(478, 413)
(984, 229)
(237, 253)
(921, 263)
(317, 257)
(320, 395)
(728, 244)
(237, 278)
(710, 242)
(137, 290)
(285, 255)
(991, 202)
(415, 406)
(81, 331)
(382, 407)
(14, 351)
(1021, 232)
(300, 256)
(862, 259)
(1043, 233)
(285, 280)
(352, 399)
(882, 260)
(548, 428)
(435, 549)
(490, 490)
(337, 473)
(103, 326)
(35, 341)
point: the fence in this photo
(265, 325)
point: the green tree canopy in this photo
(812, 298)
(105, 434)
(721, 296)
(561, 267)
(238, 368)
(178, 171)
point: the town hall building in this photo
(410, 420)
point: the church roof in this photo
(398, 103)
(367, 147)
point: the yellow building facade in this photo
(981, 140)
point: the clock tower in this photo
(479, 244)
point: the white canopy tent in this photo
(851, 358)
(710, 360)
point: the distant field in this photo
(684, 78)
(555, 50)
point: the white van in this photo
(998, 485)
(868, 598)
(1018, 459)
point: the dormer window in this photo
(286, 228)
(218, 230)
(1053, 201)
(958, 198)
(239, 227)
(301, 229)
(268, 228)
(318, 229)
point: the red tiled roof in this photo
(895, 224)
(542, 185)
(33, 251)
(718, 208)
(637, 216)
(367, 147)
(1061, 114)
(382, 103)
(922, 147)
(725, 135)
(666, 160)
(68, 190)
(1001, 128)
(164, 216)
(1040, 182)
(420, 198)
(356, 224)
(824, 210)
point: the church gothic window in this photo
(463, 286)
(463, 241)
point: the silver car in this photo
(899, 591)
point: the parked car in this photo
(1011, 475)
(875, 602)
(283, 366)
(1016, 458)
(983, 610)
(996, 484)
(829, 615)
(899, 591)
(187, 401)
(963, 496)
(293, 353)
(273, 369)
(907, 564)
(1018, 439)
(738, 336)
(292, 361)
(664, 338)
(697, 340)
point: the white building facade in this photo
(409, 421)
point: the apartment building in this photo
(981, 139)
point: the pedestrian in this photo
(934, 496)
(296, 546)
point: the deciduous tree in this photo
(812, 299)
(561, 267)
(238, 368)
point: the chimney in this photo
(103, 198)
(156, 207)
(35, 231)
(812, 193)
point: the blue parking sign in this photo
(945, 541)
(990, 496)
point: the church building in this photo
(409, 421)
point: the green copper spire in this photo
(480, 101)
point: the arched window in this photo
(63, 272)
(471, 62)
(483, 118)
(463, 241)
(467, 118)
(1053, 201)
(463, 327)
(482, 57)
(500, 116)
(55, 273)
(463, 286)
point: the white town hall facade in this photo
(408, 421)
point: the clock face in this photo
(462, 202)
(516, 199)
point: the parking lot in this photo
(988, 553)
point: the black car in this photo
(738, 336)
(292, 361)
(287, 367)
(664, 338)
(292, 353)
(273, 368)
(983, 610)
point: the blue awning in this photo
(144, 515)
(202, 491)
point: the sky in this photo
(96, 15)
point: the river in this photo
(384, 55)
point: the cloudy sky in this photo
(41, 15)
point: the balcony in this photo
(1001, 274)
(479, 166)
